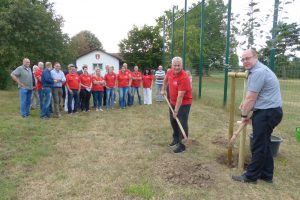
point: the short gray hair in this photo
(176, 59)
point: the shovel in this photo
(177, 120)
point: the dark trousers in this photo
(85, 99)
(183, 116)
(72, 96)
(262, 163)
(104, 97)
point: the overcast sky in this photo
(110, 20)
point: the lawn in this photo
(124, 154)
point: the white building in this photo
(98, 58)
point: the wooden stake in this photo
(241, 162)
(231, 118)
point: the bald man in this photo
(264, 98)
(23, 76)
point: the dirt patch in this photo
(184, 171)
(191, 142)
(223, 160)
(220, 141)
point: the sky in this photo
(111, 20)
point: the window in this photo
(100, 65)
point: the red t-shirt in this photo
(123, 79)
(86, 80)
(73, 80)
(179, 82)
(147, 81)
(110, 80)
(136, 83)
(38, 75)
(97, 87)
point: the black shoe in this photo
(266, 180)
(179, 149)
(243, 179)
(172, 144)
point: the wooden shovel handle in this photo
(236, 133)
(178, 122)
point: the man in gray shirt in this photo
(264, 98)
(24, 78)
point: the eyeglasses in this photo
(176, 65)
(246, 59)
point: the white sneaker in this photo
(97, 109)
(100, 109)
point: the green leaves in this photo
(29, 29)
(143, 47)
(83, 42)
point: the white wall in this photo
(105, 59)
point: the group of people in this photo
(48, 84)
(263, 98)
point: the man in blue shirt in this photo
(59, 79)
(264, 98)
(47, 83)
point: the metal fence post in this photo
(227, 53)
(201, 49)
(184, 36)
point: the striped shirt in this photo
(159, 77)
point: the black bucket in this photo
(275, 143)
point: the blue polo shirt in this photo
(263, 81)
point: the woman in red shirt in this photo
(97, 89)
(85, 89)
(124, 81)
(110, 82)
(147, 86)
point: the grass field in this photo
(123, 154)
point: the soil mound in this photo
(185, 172)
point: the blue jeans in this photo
(40, 96)
(74, 96)
(25, 101)
(129, 97)
(97, 98)
(138, 90)
(110, 93)
(122, 96)
(46, 99)
(158, 90)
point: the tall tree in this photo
(142, 47)
(251, 25)
(28, 29)
(84, 41)
(287, 44)
(214, 31)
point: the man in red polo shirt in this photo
(128, 94)
(181, 100)
(73, 86)
(136, 84)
